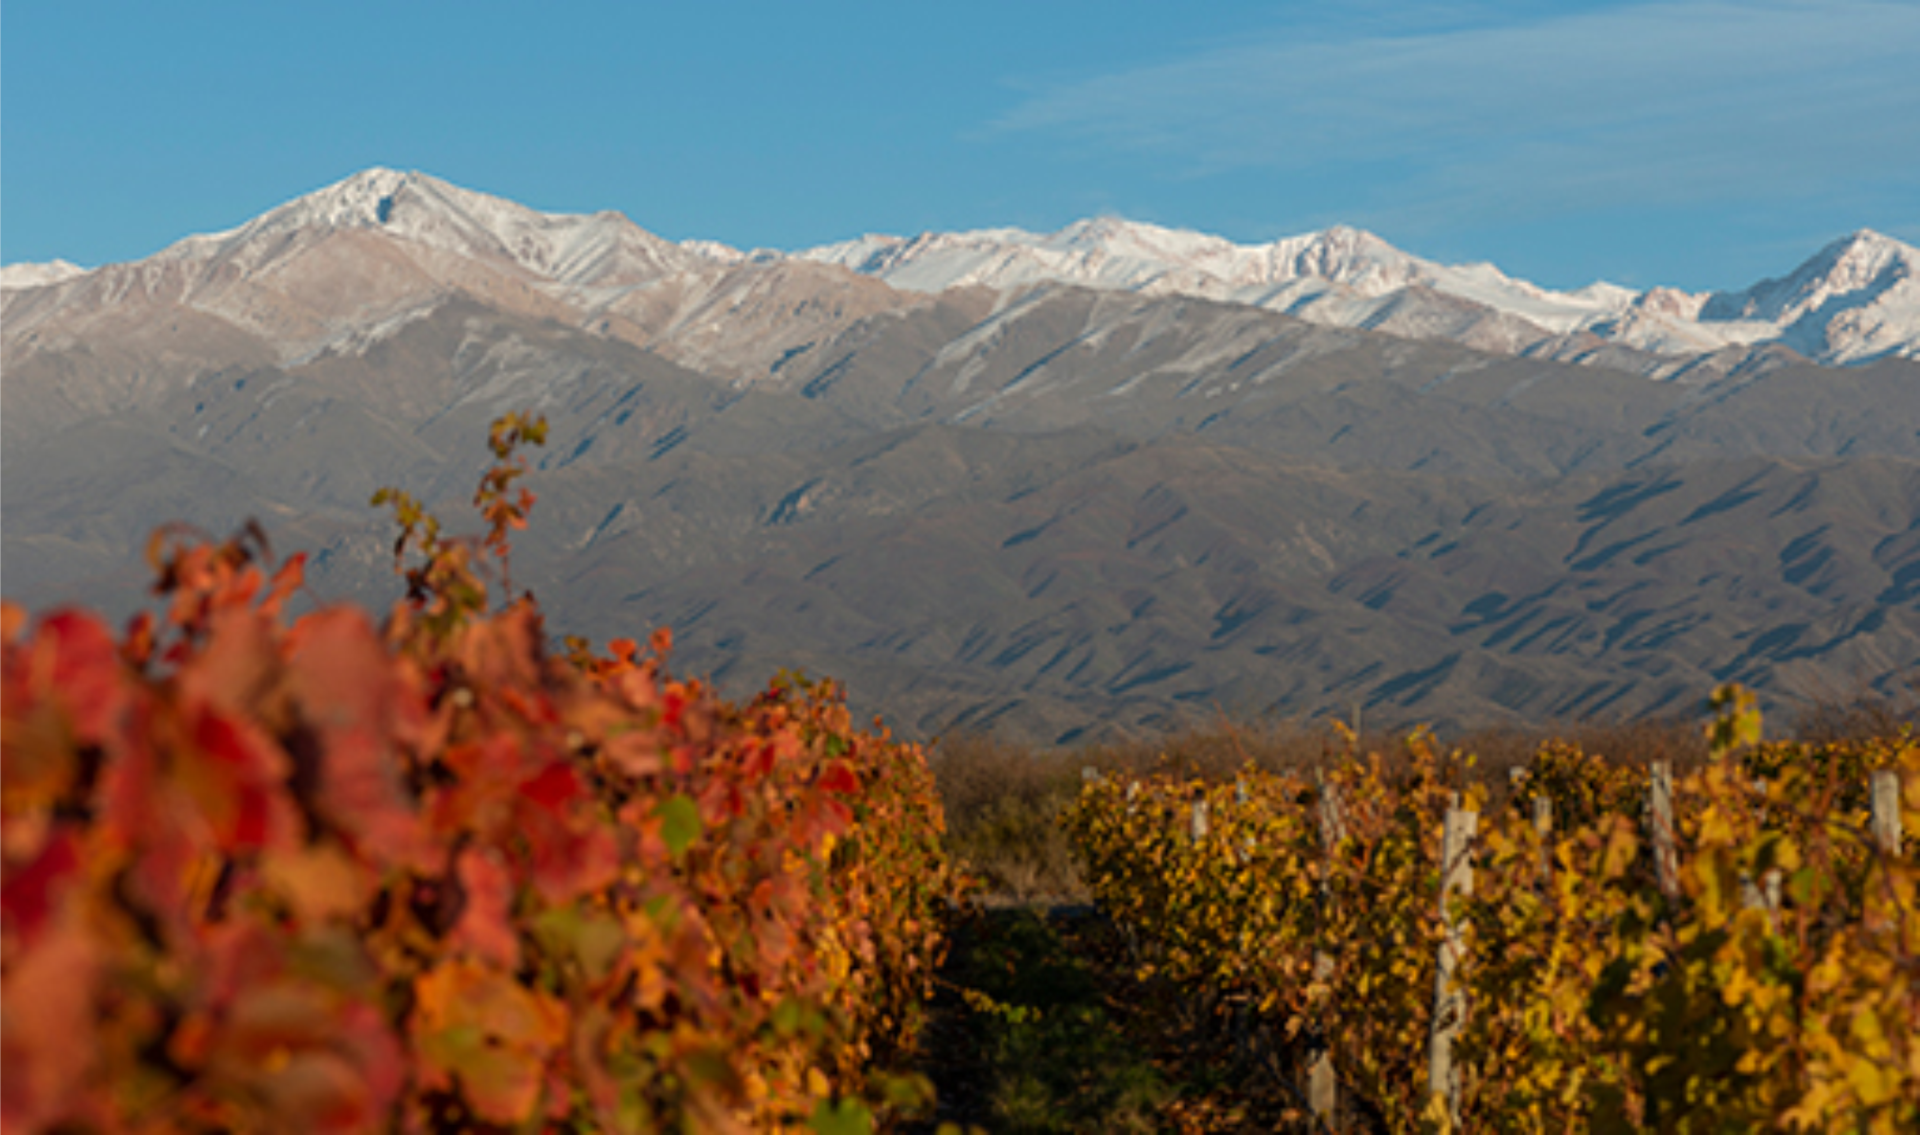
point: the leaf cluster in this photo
(327, 875)
(1779, 988)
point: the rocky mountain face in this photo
(1857, 300)
(1116, 479)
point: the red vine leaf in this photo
(485, 926)
(354, 697)
(33, 893)
(47, 1033)
(490, 1034)
(72, 661)
(234, 774)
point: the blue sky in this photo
(1704, 145)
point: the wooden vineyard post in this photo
(1241, 798)
(1333, 822)
(1543, 824)
(1449, 999)
(1764, 896)
(1886, 810)
(1323, 1086)
(1197, 828)
(1666, 862)
(1128, 932)
(1883, 823)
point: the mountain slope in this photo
(1051, 508)
(1854, 301)
(25, 275)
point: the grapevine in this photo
(1777, 988)
(271, 874)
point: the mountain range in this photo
(1856, 300)
(1103, 480)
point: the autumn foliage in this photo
(325, 873)
(1776, 987)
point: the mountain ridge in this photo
(1344, 276)
(1855, 300)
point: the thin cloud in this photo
(1658, 104)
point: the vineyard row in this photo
(1616, 949)
(274, 875)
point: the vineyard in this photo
(267, 874)
(430, 873)
(1614, 949)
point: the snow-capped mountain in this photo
(375, 247)
(576, 250)
(344, 265)
(1855, 301)
(341, 270)
(1295, 273)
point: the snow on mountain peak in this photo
(1117, 235)
(363, 200)
(1353, 257)
(1851, 301)
(1855, 261)
(1856, 299)
(562, 248)
(38, 275)
(1341, 274)
(1864, 261)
